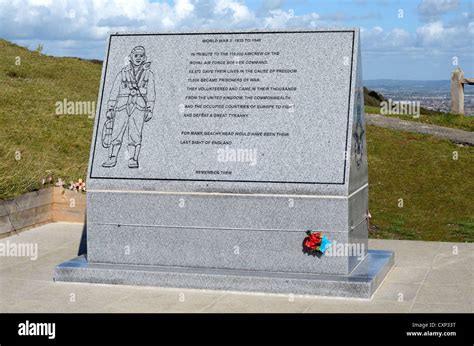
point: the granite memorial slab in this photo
(217, 157)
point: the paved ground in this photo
(455, 135)
(427, 277)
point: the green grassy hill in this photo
(47, 143)
(437, 191)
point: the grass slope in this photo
(436, 190)
(47, 143)
(456, 121)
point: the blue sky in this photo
(401, 39)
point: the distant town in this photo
(434, 95)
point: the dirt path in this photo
(454, 135)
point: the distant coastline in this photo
(432, 94)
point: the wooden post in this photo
(457, 91)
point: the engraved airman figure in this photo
(130, 105)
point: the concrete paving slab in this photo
(462, 261)
(254, 303)
(397, 292)
(33, 271)
(57, 298)
(53, 235)
(409, 253)
(407, 275)
(456, 248)
(16, 289)
(450, 276)
(6, 262)
(431, 276)
(446, 294)
(388, 244)
(442, 308)
(374, 306)
(157, 300)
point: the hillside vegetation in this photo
(437, 190)
(34, 141)
(372, 101)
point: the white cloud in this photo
(377, 39)
(41, 2)
(84, 25)
(278, 19)
(68, 19)
(431, 32)
(236, 10)
(183, 8)
(431, 10)
(436, 34)
(435, 37)
(272, 4)
(344, 17)
(51, 20)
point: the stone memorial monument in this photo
(231, 160)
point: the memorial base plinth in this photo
(361, 283)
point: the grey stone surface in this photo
(220, 248)
(165, 192)
(360, 284)
(325, 94)
(324, 61)
(357, 144)
(236, 211)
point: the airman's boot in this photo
(112, 156)
(135, 150)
